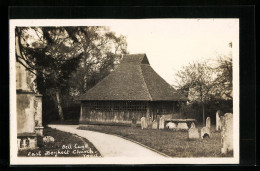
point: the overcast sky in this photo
(172, 43)
(168, 43)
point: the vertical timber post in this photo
(148, 110)
(81, 112)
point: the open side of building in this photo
(130, 92)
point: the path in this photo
(110, 145)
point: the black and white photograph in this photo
(124, 91)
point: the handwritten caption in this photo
(66, 150)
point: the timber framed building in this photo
(131, 91)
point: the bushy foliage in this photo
(67, 61)
(208, 87)
(194, 110)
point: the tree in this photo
(68, 60)
(52, 57)
(196, 80)
(223, 82)
(102, 50)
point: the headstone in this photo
(192, 125)
(217, 121)
(221, 122)
(48, 139)
(193, 133)
(171, 125)
(155, 124)
(208, 122)
(182, 126)
(161, 123)
(149, 122)
(143, 123)
(205, 132)
(227, 133)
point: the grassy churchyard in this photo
(171, 143)
(64, 145)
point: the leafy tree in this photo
(223, 82)
(68, 60)
(196, 80)
(102, 50)
(52, 57)
(207, 84)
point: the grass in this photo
(65, 145)
(171, 143)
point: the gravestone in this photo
(143, 123)
(217, 121)
(193, 133)
(149, 122)
(192, 125)
(221, 118)
(204, 132)
(227, 133)
(48, 139)
(161, 123)
(155, 124)
(171, 125)
(208, 122)
(182, 126)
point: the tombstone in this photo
(204, 132)
(171, 125)
(161, 123)
(48, 139)
(221, 122)
(217, 121)
(149, 122)
(192, 125)
(208, 122)
(155, 124)
(227, 133)
(143, 123)
(182, 126)
(193, 133)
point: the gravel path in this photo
(110, 145)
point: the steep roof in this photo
(133, 79)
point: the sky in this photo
(171, 44)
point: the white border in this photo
(14, 160)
